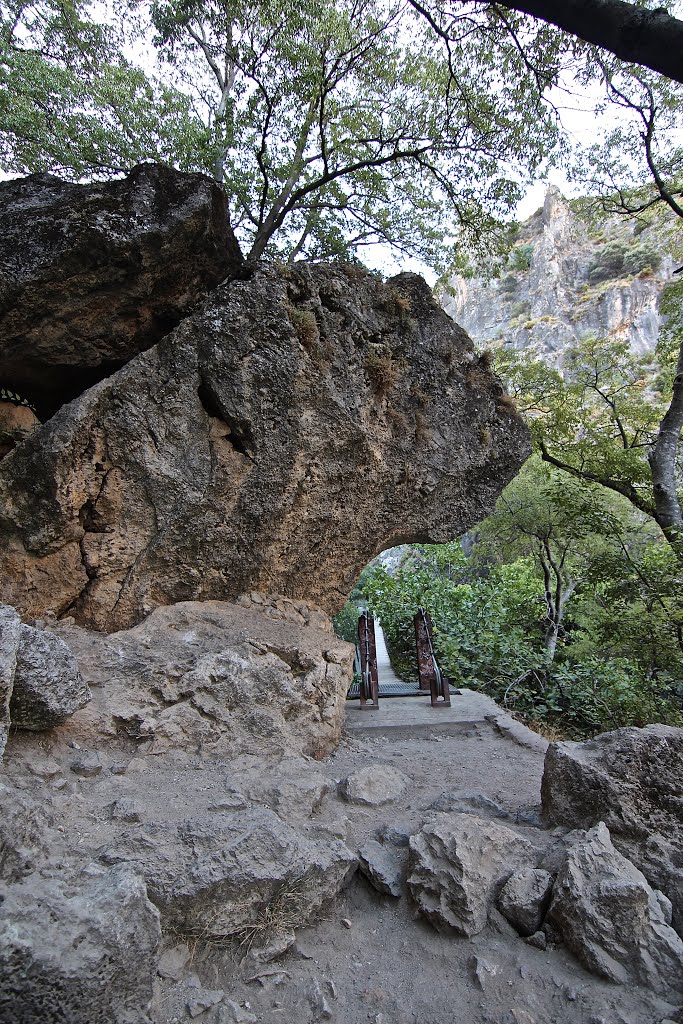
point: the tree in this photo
(631, 31)
(606, 420)
(339, 124)
(70, 102)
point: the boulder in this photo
(631, 780)
(458, 862)
(217, 678)
(228, 874)
(94, 274)
(85, 954)
(307, 417)
(608, 915)
(10, 631)
(48, 687)
(524, 899)
(374, 785)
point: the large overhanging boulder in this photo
(295, 425)
(93, 274)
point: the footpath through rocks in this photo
(202, 865)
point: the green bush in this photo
(520, 257)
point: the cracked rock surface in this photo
(307, 418)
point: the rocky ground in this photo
(365, 955)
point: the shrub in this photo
(520, 257)
(383, 372)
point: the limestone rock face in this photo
(86, 956)
(10, 631)
(224, 873)
(295, 425)
(552, 302)
(48, 687)
(17, 422)
(94, 274)
(631, 780)
(457, 862)
(613, 921)
(219, 679)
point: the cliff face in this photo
(568, 279)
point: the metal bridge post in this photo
(369, 683)
(430, 675)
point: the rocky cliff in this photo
(568, 278)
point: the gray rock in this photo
(483, 971)
(223, 680)
(27, 832)
(374, 785)
(383, 868)
(276, 948)
(203, 999)
(538, 940)
(137, 253)
(48, 687)
(172, 962)
(608, 915)
(233, 1013)
(524, 899)
(86, 764)
(457, 864)
(126, 810)
(10, 630)
(469, 802)
(631, 780)
(225, 874)
(395, 835)
(82, 951)
(99, 506)
(318, 1001)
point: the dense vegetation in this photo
(568, 608)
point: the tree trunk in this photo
(633, 34)
(663, 461)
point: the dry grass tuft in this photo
(398, 421)
(383, 372)
(506, 403)
(305, 326)
(484, 437)
(422, 431)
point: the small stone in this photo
(129, 811)
(203, 999)
(229, 802)
(482, 971)
(469, 802)
(172, 962)
(276, 948)
(345, 921)
(119, 768)
(86, 764)
(137, 764)
(233, 1013)
(538, 940)
(374, 785)
(524, 899)
(46, 769)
